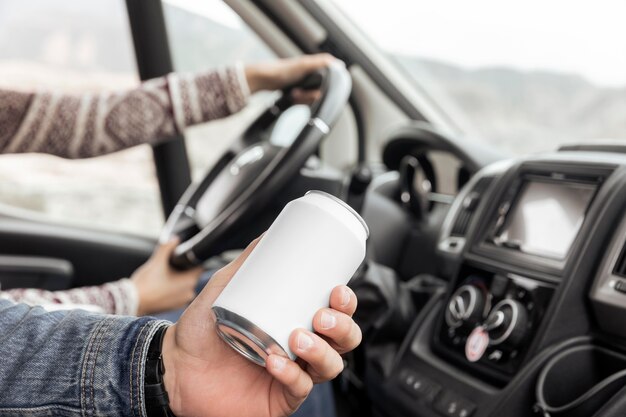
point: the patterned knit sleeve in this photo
(81, 126)
(118, 297)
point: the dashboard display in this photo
(546, 218)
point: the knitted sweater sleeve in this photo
(118, 297)
(81, 126)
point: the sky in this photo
(584, 37)
(212, 9)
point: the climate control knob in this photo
(466, 306)
(507, 323)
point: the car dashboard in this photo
(533, 253)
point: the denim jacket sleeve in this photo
(71, 363)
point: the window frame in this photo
(308, 48)
(152, 54)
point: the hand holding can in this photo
(315, 244)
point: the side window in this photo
(204, 35)
(76, 47)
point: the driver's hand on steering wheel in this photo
(205, 377)
(161, 287)
(282, 73)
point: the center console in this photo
(503, 291)
(520, 247)
(492, 313)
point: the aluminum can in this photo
(316, 243)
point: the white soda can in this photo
(316, 243)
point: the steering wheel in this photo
(254, 169)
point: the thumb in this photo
(199, 314)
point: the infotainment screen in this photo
(546, 217)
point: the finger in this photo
(324, 363)
(310, 63)
(343, 299)
(300, 96)
(295, 69)
(297, 384)
(164, 250)
(342, 333)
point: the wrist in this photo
(255, 78)
(141, 298)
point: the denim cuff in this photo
(112, 376)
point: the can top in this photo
(346, 206)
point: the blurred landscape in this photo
(524, 111)
(77, 46)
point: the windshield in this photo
(524, 76)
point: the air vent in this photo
(620, 266)
(470, 202)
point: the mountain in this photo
(524, 111)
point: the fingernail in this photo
(278, 363)
(304, 342)
(345, 299)
(328, 320)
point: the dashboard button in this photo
(407, 379)
(620, 286)
(419, 386)
(411, 382)
(495, 356)
(429, 391)
(447, 404)
(466, 409)
(451, 405)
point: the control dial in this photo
(507, 322)
(466, 306)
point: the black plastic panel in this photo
(96, 257)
